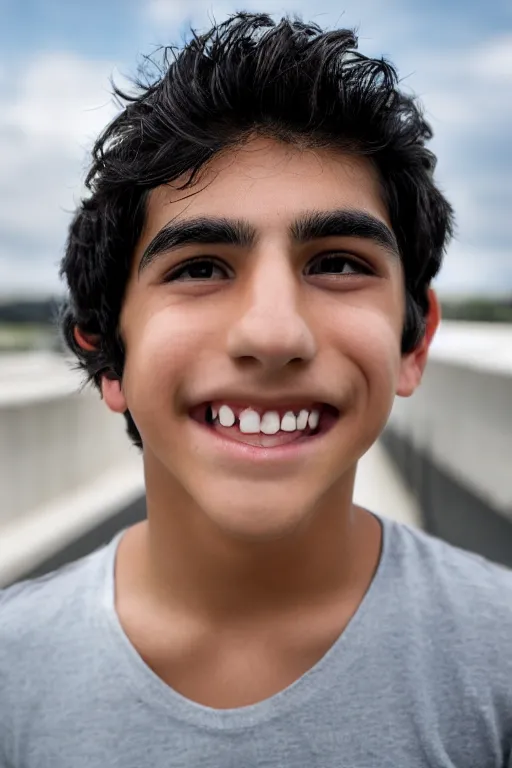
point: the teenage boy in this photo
(250, 285)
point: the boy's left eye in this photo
(336, 263)
(198, 269)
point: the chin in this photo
(258, 519)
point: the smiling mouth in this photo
(269, 429)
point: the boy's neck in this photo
(191, 568)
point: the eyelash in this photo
(176, 273)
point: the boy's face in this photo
(283, 310)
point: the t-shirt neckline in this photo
(147, 686)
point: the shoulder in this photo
(450, 566)
(450, 618)
(454, 610)
(37, 615)
(43, 629)
(29, 597)
(465, 594)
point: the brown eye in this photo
(198, 269)
(338, 264)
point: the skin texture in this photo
(233, 552)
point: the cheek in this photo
(370, 339)
(160, 353)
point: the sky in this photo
(57, 58)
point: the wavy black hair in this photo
(249, 75)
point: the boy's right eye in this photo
(197, 269)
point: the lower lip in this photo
(235, 450)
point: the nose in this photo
(269, 328)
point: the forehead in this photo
(268, 183)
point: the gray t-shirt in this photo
(422, 676)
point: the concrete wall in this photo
(66, 464)
(452, 440)
(53, 443)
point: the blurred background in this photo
(68, 476)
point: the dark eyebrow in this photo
(344, 223)
(206, 231)
(313, 225)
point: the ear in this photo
(413, 364)
(113, 395)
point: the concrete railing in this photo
(453, 438)
(461, 415)
(65, 460)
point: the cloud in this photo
(465, 94)
(377, 22)
(468, 270)
(34, 277)
(53, 106)
(50, 112)
(203, 12)
(198, 11)
(494, 60)
(467, 88)
(60, 100)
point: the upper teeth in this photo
(250, 421)
(226, 416)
